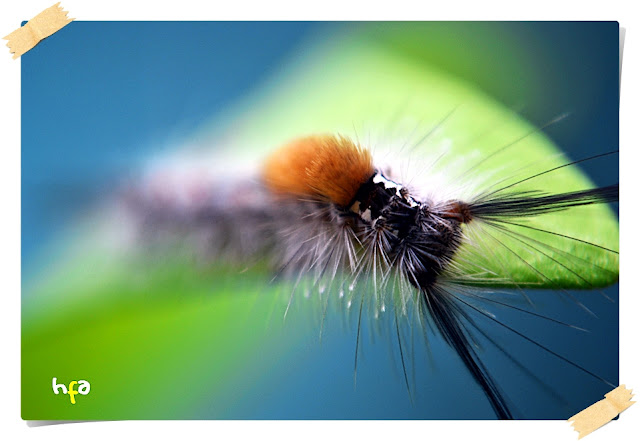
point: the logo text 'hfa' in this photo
(83, 388)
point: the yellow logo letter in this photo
(72, 392)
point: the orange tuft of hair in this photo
(331, 167)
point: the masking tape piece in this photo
(46, 23)
(600, 413)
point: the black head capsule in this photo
(377, 196)
(422, 235)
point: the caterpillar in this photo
(328, 217)
(378, 179)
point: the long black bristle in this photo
(447, 316)
(523, 204)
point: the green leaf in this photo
(389, 102)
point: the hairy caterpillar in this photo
(426, 130)
(327, 217)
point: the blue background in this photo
(100, 96)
